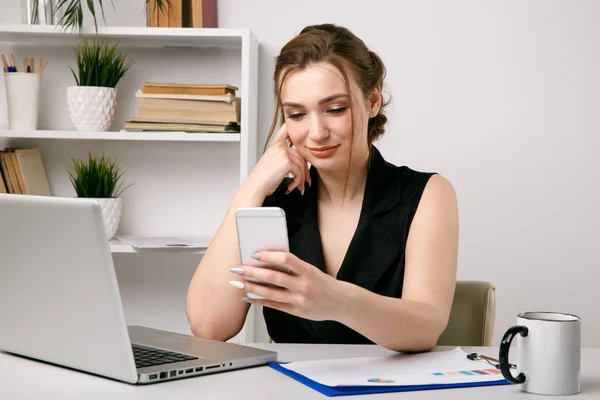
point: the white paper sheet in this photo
(164, 242)
(437, 367)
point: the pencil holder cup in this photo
(22, 100)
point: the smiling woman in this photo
(373, 246)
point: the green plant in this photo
(73, 11)
(96, 177)
(99, 64)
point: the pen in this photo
(493, 361)
(13, 64)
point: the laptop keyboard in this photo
(145, 357)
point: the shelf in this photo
(143, 136)
(126, 36)
(116, 246)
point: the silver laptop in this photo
(60, 301)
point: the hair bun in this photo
(376, 126)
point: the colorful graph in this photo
(382, 380)
(470, 373)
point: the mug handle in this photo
(505, 347)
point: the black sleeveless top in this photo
(375, 257)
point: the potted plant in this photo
(93, 101)
(100, 178)
(69, 13)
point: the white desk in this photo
(22, 378)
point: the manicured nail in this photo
(302, 191)
(253, 296)
(255, 255)
(237, 284)
(239, 271)
(247, 300)
(309, 182)
(287, 191)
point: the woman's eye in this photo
(295, 115)
(339, 110)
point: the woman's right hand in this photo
(276, 163)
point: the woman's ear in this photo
(374, 102)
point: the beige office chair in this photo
(472, 315)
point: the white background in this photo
(501, 97)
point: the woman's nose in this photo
(318, 129)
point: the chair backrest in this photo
(472, 316)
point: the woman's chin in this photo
(326, 165)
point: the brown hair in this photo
(340, 47)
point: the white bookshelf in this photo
(129, 135)
(48, 35)
(182, 182)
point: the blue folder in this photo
(332, 391)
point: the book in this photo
(189, 104)
(178, 121)
(203, 14)
(226, 98)
(175, 13)
(18, 174)
(197, 115)
(9, 171)
(183, 14)
(188, 88)
(24, 172)
(31, 172)
(2, 185)
(6, 172)
(180, 127)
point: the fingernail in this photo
(255, 255)
(247, 300)
(287, 191)
(309, 182)
(239, 271)
(302, 192)
(253, 296)
(237, 284)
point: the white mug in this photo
(548, 355)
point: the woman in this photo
(373, 247)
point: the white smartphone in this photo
(260, 228)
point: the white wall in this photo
(502, 98)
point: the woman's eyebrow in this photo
(324, 100)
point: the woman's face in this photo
(318, 117)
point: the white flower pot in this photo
(91, 108)
(111, 214)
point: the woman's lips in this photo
(323, 152)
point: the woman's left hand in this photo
(305, 291)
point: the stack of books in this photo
(186, 108)
(22, 172)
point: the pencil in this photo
(43, 66)
(12, 62)
(4, 63)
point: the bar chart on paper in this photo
(474, 372)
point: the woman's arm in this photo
(213, 308)
(415, 322)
